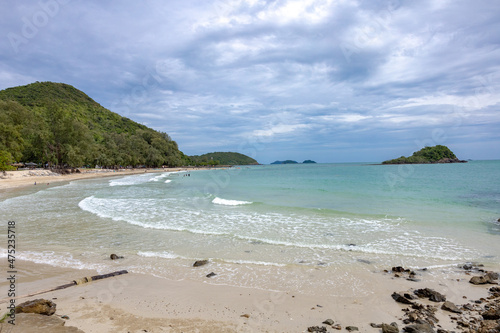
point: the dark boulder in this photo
(321, 329)
(38, 306)
(199, 263)
(401, 299)
(419, 328)
(489, 277)
(491, 314)
(432, 295)
(211, 275)
(115, 257)
(449, 306)
(329, 322)
(392, 328)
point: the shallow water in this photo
(266, 226)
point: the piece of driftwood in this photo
(73, 283)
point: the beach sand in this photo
(23, 178)
(145, 303)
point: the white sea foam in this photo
(164, 254)
(226, 202)
(57, 260)
(130, 180)
(159, 177)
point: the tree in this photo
(5, 161)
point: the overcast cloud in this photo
(328, 80)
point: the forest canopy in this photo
(59, 125)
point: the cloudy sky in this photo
(328, 80)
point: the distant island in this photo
(292, 162)
(285, 162)
(428, 155)
(222, 158)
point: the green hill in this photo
(55, 123)
(436, 154)
(222, 158)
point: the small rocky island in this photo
(428, 155)
(292, 162)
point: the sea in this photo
(288, 227)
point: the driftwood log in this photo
(73, 283)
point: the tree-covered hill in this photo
(435, 154)
(222, 158)
(57, 124)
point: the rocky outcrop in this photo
(488, 278)
(432, 295)
(38, 306)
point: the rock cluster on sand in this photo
(482, 316)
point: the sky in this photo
(327, 80)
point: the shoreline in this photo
(25, 178)
(136, 302)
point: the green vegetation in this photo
(436, 154)
(58, 125)
(308, 161)
(221, 158)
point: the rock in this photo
(352, 328)
(467, 267)
(38, 306)
(35, 323)
(449, 306)
(419, 328)
(491, 314)
(115, 257)
(321, 329)
(480, 280)
(209, 275)
(392, 328)
(328, 322)
(401, 299)
(492, 276)
(245, 315)
(337, 327)
(398, 269)
(199, 263)
(488, 326)
(376, 325)
(431, 294)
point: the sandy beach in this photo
(136, 302)
(144, 303)
(23, 178)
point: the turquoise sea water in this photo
(259, 223)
